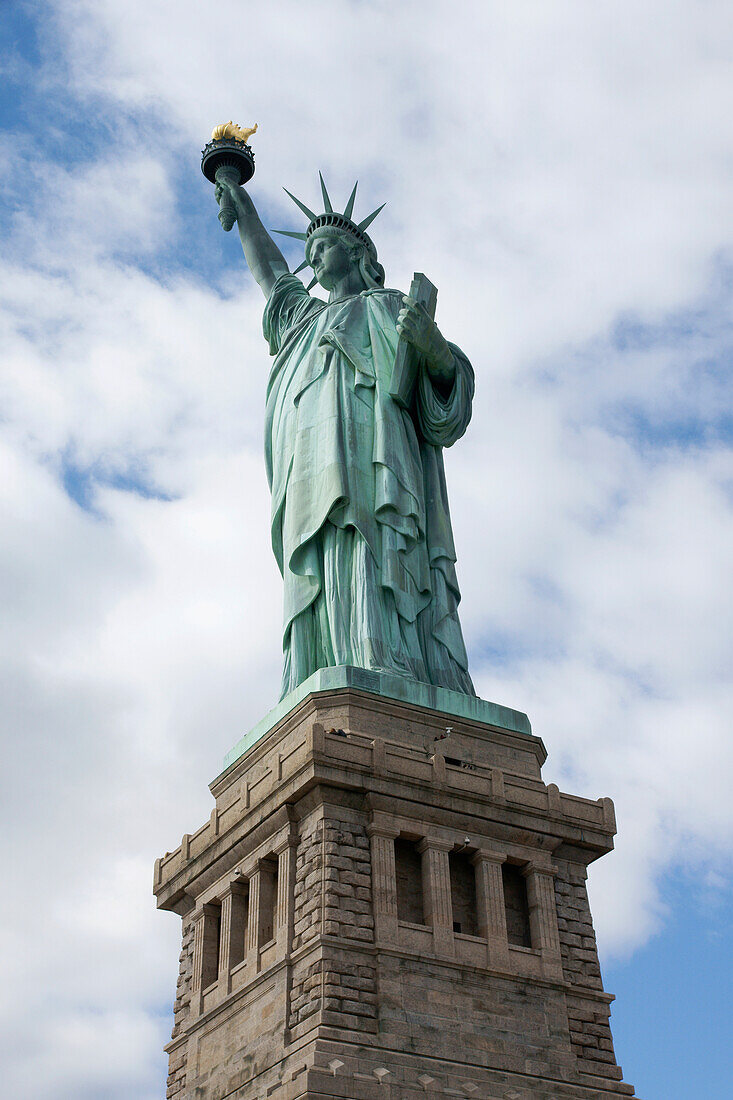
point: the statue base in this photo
(389, 685)
(388, 902)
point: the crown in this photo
(331, 218)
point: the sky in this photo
(562, 172)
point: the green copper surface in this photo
(452, 703)
(360, 523)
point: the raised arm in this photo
(264, 258)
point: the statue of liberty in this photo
(360, 523)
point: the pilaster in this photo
(283, 927)
(543, 917)
(382, 837)
(253, 919)
(233, 931)
(437, 893)
(491, 912)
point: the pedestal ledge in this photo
(391, 686)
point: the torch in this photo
(228, 159)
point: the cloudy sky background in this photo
(562, 172)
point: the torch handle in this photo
(227, 210)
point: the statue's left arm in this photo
(416, 325)
(445, 381)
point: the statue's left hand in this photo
(415, 324)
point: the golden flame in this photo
(232, 130)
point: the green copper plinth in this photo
(452, 703)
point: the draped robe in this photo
(360, 524)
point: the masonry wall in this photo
(333, 895)
(306, 995)
(181, 1009)
(441, 1010)
(588, 1017)
(337, 993)
(235, 1051)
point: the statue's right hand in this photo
(220, 188)
(235, 205)
(233, 190)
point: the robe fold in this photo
(361, 529)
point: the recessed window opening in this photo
(268, 901)
(240, 916)
(211, 943)
(408, 868)
(463, 894)
(516, 905)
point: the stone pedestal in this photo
(388, 903)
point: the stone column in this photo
(233, 931)
(436, 893)
(491, 909)
(205, 961)
(283, 932)
(543, 918)
(384, 882)
(253, 921)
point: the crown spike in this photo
(290, 233)
(350, 204)
(368, 220)
(308, 213)
(311, 284)
(300, 267)
(326, 200)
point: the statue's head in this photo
(332, 252)
(334, 243)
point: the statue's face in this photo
(330, 259)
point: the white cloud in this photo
(561, 174)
